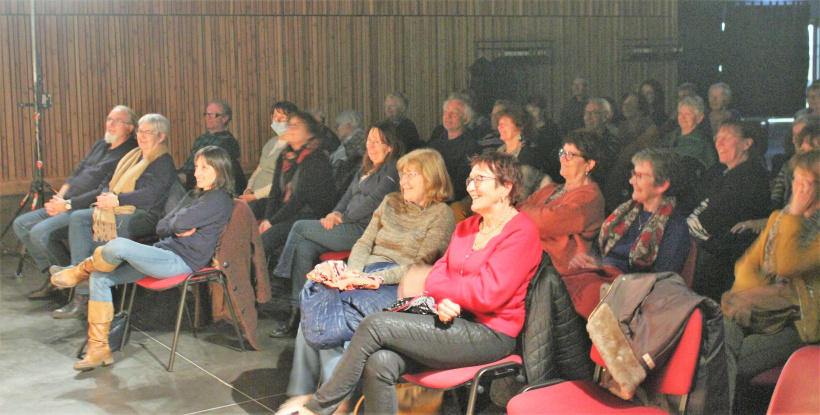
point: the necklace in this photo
(641, 223)
(495, 228)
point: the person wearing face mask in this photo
(259, 184)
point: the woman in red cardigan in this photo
(569, 215)
(478, 286)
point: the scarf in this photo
(128, 170)
(291, 159)
(645, 248)
(809, 228)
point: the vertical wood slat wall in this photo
(172, 56)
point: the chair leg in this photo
(178, 324)
(126, 332)
(233, 313)
(82, 347)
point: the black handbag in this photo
(420, 304)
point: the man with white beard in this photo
(43, 230)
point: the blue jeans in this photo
(306, 241)
(42, 235)
(135, 261)
(309, 363)
(81, 236)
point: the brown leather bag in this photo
(762, 310)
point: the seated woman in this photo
(733, 194)
(569, 215)
(411, 227)
(140, 184)
(642, 235)
(259, 184)
(301, 185)
(547, 136)
(782, 266)
(189, 233)
(340, 229)
(518, 135)
(483, 275)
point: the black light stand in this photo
(36, 195)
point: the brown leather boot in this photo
(100, 314)
(71, 277)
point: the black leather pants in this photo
(387, 345)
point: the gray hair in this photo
(404, 102)
(226, 108)
(132, 116)
(464, 99)
(694, 102)
(351, 118)
(603, 105)
(157, 122)
(318, 113)
(666, 164)
(724, 88)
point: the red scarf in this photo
(291, 160)
(645, 249)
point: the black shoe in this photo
(289, 327)
(77, 307)
(44, 293)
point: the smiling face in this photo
(643, 184)
(688, 119)
(717, 101)
(576, 169)
(508, 130)
(455, 116)
(117, 126)
(148, 137)
(731, 147)
(377, 148)
(392, 107)
(204, 173)
(629, 107)
(297, 134)
(487, 193)
(594, 117)
(413, 185)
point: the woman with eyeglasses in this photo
(408, 228)
(569, 215)
(478, 286)
(342, 227)
(642, 235)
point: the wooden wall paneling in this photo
(420, 55)
(6, 118)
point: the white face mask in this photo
(279, 127)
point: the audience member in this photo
(455, 145)
(42, 231)
(547, 137)
(643, 235)
(347, 159)
(720, 96)
(411, 227)
(569, 215)
(572, 111)
(342, 227)
(330, 141)
(597, 114)
(259, 184)
(140, 184)
(518, 135)
(301, 183)
(189, 233)
(687, 140)
(731, 194)
(812, 100)
(395, 108)
(218, 115)
(684, 90)
(636, 132)
(652, 91)
(479, 288)
(772, 309)
(490, 141)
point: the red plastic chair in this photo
(183, 281)
(675, 378)
(334, 256)
(472, 376)
(797, 389)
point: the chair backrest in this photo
(676, 377)
(796, 390)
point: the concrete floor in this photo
(37, 354)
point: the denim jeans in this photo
(306, 241)
(135, 261)
(309, 364)
(81, 236)
(42, 235)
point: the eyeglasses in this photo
(478, 180)
(143, 132)
(409, 175)
(116, 121)
(212, 114)
(568, 155)
(639, 176)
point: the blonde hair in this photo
(438, 187)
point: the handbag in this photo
(420, 304)
(762, 310)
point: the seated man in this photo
(259, 184)
(572, 112)
(347, 159)
(456, 146)
(597, 116)
(330, 141)
(395, 108)
(43, 230)
(218, 115)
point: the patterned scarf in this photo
(809, 228)
(645, 248)
(291, 159)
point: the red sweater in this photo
(567, 225)
(491, 283)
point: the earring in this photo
(586, 173)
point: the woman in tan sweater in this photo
(411, 227)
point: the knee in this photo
(384, 366)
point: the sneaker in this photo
(293, 404)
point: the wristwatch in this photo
(68, 204)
